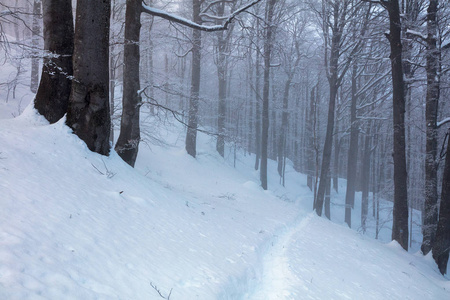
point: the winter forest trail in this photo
(317, 259)
(277, 280)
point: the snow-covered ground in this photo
(77, 225)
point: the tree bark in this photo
(88, 112)
(431, 111)
(127, 145)
(52, 97)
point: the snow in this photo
(77, 225)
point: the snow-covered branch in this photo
(416, 34)
(440, 123)
(177, 19)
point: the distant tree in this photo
(268, 43)
(35, 44)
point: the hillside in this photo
(76, 225)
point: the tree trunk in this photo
(222, 42)
(352, 160)
(310, 142)
(88, 112)
(265, 110)
(191, 135)
(365, 179)
(284, 127)
(128, 142)
(35, 43)
(334, 86)
(431, 110)
(441, 244)
(400, 213)
(52, 97)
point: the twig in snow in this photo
(159, 292)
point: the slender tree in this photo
(400, 213)
(268, 43)
(35, 44)
(128, 141)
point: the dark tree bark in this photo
(88, 112)
(431, 109)
(441, 243)
(268, 39)
(35, 43)
(52, 97)
(191, 135)
(400, 213)
(128, 142)
(352, 153)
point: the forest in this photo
(342, 89)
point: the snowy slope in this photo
(76, 225)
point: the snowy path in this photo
(278, 281)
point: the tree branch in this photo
(177, 19)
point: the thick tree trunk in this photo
(431, 110)
(441, 244)
(191, 135)
(35, 43)
(88, 112)
(400, 213)
(128, 142)
(52, 97)
(352, 153)
(268, 39)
